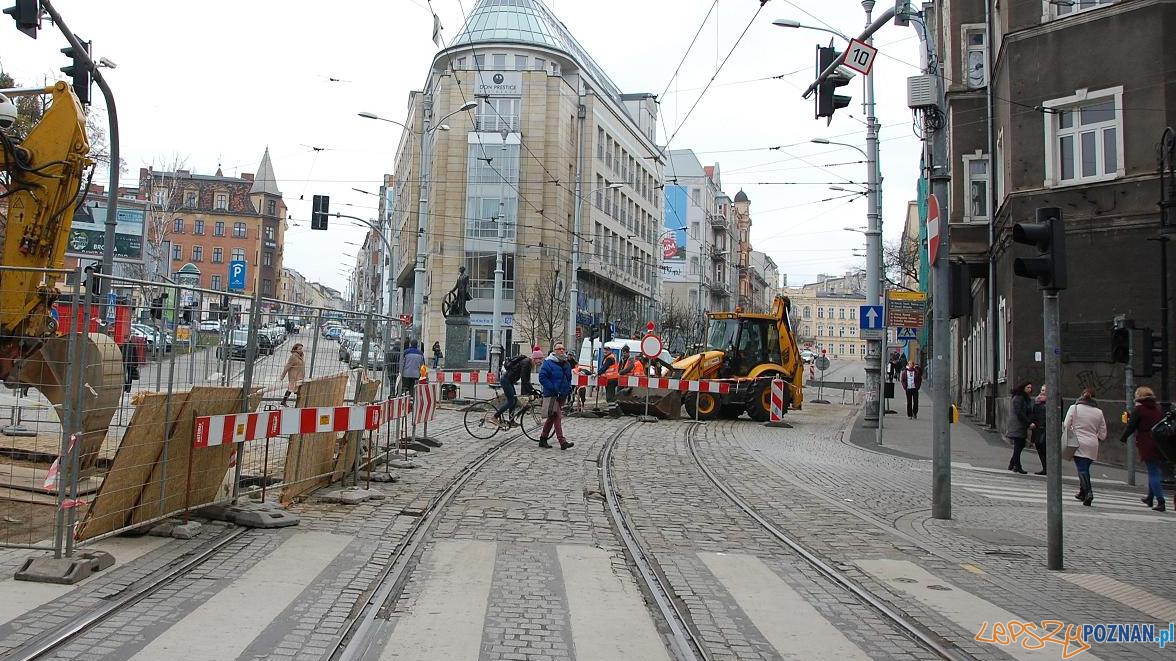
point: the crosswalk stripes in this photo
(1103, 499)
(968, 611)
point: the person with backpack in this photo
(1143, 419)
(516, 369)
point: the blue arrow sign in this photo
(237, 275)
(908, 333)
(871, 317)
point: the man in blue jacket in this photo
(556, 378)
(410, 367)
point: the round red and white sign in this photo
(651, 346)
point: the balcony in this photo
(717, 220)
(716, 254)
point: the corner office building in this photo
(547, 119)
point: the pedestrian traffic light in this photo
(320, 207)
(27, 14)
(828, 101)
(79, 71)
(1049, 236)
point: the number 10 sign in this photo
(860, 56)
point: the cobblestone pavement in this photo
(524, 565)
(847, 504)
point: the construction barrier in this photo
(776, 414)
(466, 377)
(655, 383)
(240, 427)
(425, 408)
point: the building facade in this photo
(549, 140)
(211, 220)
(826, 314)
(1029, 131)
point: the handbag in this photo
(1165, 429)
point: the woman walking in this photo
(1145, 416)
(437, 355)
(1037, 427)
(295, 371)
(1020, 410)
(1085, 422)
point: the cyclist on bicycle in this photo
(515, 369)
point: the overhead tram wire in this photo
(688, 49)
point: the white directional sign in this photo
(859, 56)
(870, 317)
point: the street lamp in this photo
(418, 306)
(574, 290)
(790, 23)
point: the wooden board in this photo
(310, 455)
(369, 389)
(208, 464)
(27, 478)
(132, 466)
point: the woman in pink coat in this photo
(1085, 424)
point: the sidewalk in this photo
(972, 447)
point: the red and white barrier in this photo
(213, 430)
(776, 414)
(655, 383)
(426, 403)
(396, 408)
(465, 377)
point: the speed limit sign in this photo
(859, 56)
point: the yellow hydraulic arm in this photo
(44, 175)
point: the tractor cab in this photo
(747, 341)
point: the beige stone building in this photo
(548, 123)
(826, 314)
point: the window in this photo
(975, 187)
(841, 313)
(269, 233)
(461, 63)
(222, 202)
(1061, 8)
(975, 56)
(520, 62)
(693, 266)
(480, 267)
(161, 196)
(497, 114)
(852, 349)
(216, 282)
(177, 252)
(218, 229)
(499, 60)
(239, 230)
(479, 62)
(820, 313)
(218, 255)
(267, 258)
(198, 227)
(198, 253)
(807, 311)
(238, 254)
(1085, 137)
(271, 208)
(190, 198)
(267, 287)
(540, 64)
(178, 226)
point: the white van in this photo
(591, 355)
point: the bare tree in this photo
(541, 311)
(163, 199)
(900, 264)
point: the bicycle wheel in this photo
(478, 420)
(531, 419)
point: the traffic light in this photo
(828, 101)
(1121, 344)
(1147, 352)
(79, 71)
(1049, 236)
(93, 282)
(320, 207)
(27, 14)
(960, 288)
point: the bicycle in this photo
(528, 415)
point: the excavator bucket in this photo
(663, 405)
(48, 369)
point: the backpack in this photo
(512, 368)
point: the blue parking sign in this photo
(237, 275)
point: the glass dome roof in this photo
(527, 22)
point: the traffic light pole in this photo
(1053, 439)
(112, 130)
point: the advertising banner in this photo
(673, 239)
(88, 232)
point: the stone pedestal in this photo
(457, 343)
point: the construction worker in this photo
(608, 378)
(631, 365)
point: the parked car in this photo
(211, 325)
(156, 339)
(374, 357)
(235, 345)
(332, 332)
(807, 355)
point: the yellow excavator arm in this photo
(43, 178)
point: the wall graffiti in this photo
(1093, 378)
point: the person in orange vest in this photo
(631, 366)
(608, 378)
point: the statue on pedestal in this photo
(454, 304)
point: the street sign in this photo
(859, 56)
(908, 334)
(651, 346)
(932, 228)
(871, 317)
(237, 272)
(906, 309)
(821, 363)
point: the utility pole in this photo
(496, 348)
(574, 275)
(874, 347)
(418, 283)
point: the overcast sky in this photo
(213, 83)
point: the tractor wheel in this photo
(730, 411)
(759, 407)
(703, 405)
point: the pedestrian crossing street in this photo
(601, 612)
(1114, 504)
